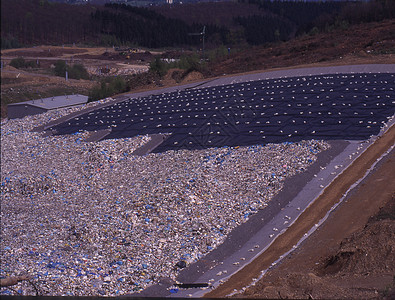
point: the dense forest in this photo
(256, 22)
(147, 28)
(30, 22)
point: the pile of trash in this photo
(89, 218)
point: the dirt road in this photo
(347, 222)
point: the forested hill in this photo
(33, 22)
(30, 22)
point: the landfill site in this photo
(174, 192)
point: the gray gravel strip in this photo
(349, 69)
(156, 140)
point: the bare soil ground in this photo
(359, 44)
(352, 255)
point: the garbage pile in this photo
(89, 218)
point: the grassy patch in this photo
(108, 87)
(21, 63)
(76, 71)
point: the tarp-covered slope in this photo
(336, 106)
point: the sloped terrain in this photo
(354, 45)
(351, 257)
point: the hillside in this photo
(37, 22)
(350, 257)
(350, 45)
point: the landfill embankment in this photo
(310, 217)
(87, 218)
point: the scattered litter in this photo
(90, 218)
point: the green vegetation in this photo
(60, 68)
(21, 63)
(76, 71)
(256, 22)
(189, 63)
(264, 29)
(9, 43)
(159, 67)
(108, 87)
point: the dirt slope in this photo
(360, 266)
(347, 219)
(365, 43)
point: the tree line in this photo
(33, 22)
(144, 27)
(30, 22)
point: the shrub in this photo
(158, 66)
(21, 63)
(76, 71)
(119, 84)
(108, 87)
(60, 68)
(314, 31)
(18, 62)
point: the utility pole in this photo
(203, 34)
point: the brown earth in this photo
(359, 44)
(357, 264)
(352, 255)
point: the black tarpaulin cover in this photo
(341, 106)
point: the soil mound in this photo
(360, 266)
(192, 76)
(369, 251)
(298, 286)
(175, 76)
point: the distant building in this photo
(39, 106)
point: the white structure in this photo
(38, 106)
